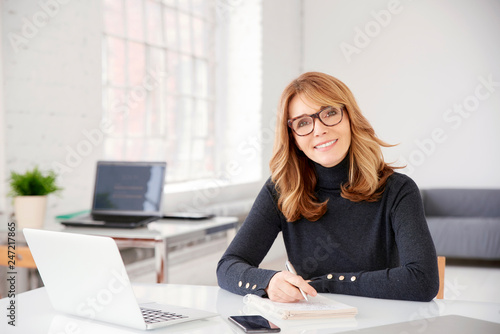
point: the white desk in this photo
(161, 235)
(35, 315)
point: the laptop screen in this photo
(129, 188)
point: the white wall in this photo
(281, 63)
(52, 77)
(3, 175)
(411, 68)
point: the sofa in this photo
(464, 223)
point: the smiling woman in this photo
(350, 223)
(327, 144)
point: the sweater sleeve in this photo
(237, 270)
(416, 278)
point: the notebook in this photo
(126, 195)
(85, 276)
(316, 308)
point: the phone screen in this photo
(254, 324)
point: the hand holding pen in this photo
(291, 269)
(285, 287)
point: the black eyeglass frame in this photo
(313, 116)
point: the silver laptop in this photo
(126, 195)
(85, 276)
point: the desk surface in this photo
(157, 230)
(35, 315)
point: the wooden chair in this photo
(441, 265)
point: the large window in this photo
(176, 79)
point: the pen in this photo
(291, 269)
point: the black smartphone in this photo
(254, 324)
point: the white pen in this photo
(291, 269)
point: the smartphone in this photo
(254, 324)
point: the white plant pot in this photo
(30, 211)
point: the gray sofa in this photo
(464, 223)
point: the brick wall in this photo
(52, 92)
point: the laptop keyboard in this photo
(152, 316)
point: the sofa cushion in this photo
(462, 202)
(466, 237)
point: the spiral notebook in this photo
(316, 308)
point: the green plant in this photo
(33, 183)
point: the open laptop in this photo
(126, 195)
(85, 276)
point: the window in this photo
(180, 85)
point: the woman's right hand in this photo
(284, 288)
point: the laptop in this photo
(85, 276)
(436, 325)
(126, 195)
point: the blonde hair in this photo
(293, 173)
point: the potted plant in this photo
(30, 191)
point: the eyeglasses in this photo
(304, 124)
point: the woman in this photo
(350, 223)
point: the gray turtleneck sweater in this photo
(377, 249)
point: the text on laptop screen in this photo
(122, 187)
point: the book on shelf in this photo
(316, 308)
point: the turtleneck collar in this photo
(332, 177)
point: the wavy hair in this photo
(293, 173)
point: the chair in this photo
(441, 260)
(22, 258)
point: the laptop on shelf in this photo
(126, 195)
(85, 276)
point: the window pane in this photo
(137, 112)
(113, 17)
(172, 72)
(185, 74)
(154, 16)
(135, 149)
(171, 29)
(199, 38)
(135, 24)
(117, 109)
(114, 148)
(184, 141)
(200, 7)
(154, 148)
(171, 106)
(185, 32)
(201, 78)
(115, 51)
(136, 63)
(156, 110)
(157, 62)
(184, 5)
(200, 118)
(171, 3)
